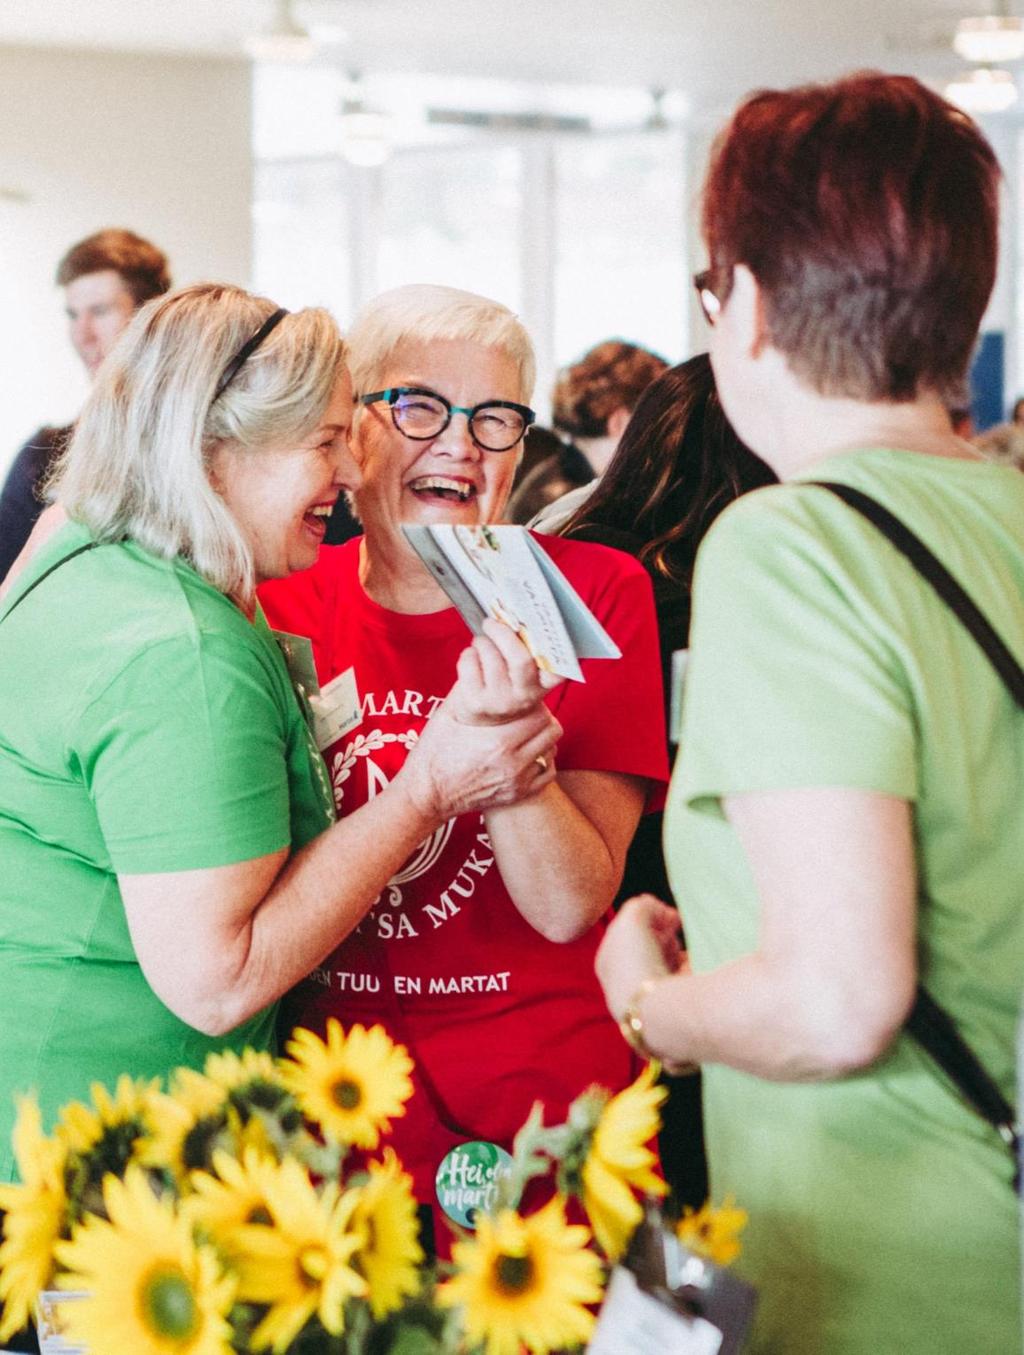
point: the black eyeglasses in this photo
(419, 414)
(712, 286)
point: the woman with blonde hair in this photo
(171, 861)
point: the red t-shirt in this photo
(494, 1015)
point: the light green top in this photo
(145, 726)
(881, 1217)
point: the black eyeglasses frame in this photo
(393, 394)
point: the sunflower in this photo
(186, 1124)
(713, 1232)
(353, 1084)
(150, 1290)
(619, 1160)
(110, 1120)
(525, 1281)
(236, 1195)
(36, 1211)
(299, 1264)
(230, 1071)
(389, 1256)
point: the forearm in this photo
(319, 896)
(554, 862)
(765, 1018)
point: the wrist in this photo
(631, 1022)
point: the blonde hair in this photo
(138, 463)
(422, 312)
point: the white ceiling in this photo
(712, 50)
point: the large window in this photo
(582, 232)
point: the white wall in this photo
(161, 145)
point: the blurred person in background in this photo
(479, 954)
(591, 404)
(845, 818)
(1004, 443)
(106, 277)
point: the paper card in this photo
(631, 1320)
(336, 709)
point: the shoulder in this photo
(589, 560)
(313, 588)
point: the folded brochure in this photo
(502, 571)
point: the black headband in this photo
(246, 351)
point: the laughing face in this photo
(281, 498)
(447, 478)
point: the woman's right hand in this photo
(492, 740)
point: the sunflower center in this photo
(168, 1305)
(259, 1213)
(347, 1094)
(513, 1274)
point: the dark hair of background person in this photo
(677, 466)
(1017, 413)
(612, 375)
(867, 212)
(143, 268)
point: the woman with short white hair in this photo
(170, 867)
(479, 953)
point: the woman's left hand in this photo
(642, 942)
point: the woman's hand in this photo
(641, 943)
(498, 679)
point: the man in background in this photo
(106, 278)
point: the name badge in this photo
(297, 652)
(680, 659)
(633, 1320)
(336, 709)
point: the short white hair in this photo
(422, 312)
(138, 463)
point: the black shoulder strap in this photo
(45, 575)
(929, 1023)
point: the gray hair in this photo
(422, 312)
(138, 463)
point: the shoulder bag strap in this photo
(929, 1023)
(45, 575)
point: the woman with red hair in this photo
(846, 820)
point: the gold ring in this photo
(542, 763)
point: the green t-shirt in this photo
(881, 1217)
(145, 726)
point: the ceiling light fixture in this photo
(991, 38)
(365, 131)
(983, 91)
(282, 39)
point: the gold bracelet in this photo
(631, 1022)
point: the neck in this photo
(396, 578)
(806, 428)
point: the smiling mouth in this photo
(316, 517)
(441, 487)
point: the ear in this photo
(746, 304)
(617, 421)
(218, 468)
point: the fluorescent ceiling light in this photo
(991, 38)
(983, 91)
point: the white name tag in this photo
(336, 709)
(633, 1320)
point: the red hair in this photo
(867, 211)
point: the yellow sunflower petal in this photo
(390, 1255)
